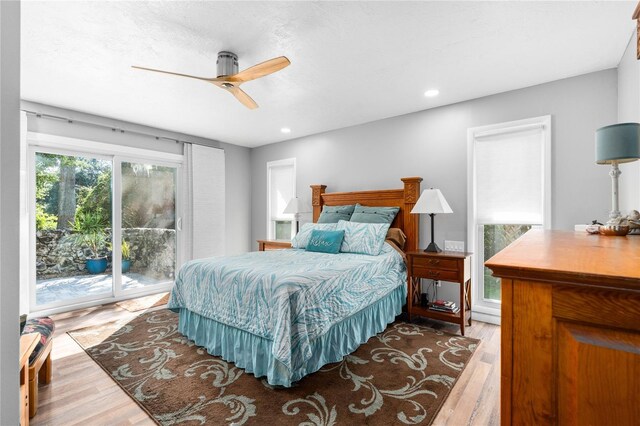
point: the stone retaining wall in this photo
(152, 253)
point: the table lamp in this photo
(431, 201)
(615, 144)
(295, 207)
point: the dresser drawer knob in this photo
(434, 261)
(434, 273)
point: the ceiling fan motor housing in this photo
(227, 63)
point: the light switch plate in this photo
(457, 246)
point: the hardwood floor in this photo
(81, 393)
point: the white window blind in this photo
(281, 177)
(281, 190)
(207, 201)
(510, 176)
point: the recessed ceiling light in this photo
(431, 93)
(285, 130)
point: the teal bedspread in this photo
(288, 297)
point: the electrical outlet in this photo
(454, 246)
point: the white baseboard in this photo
(491, 319)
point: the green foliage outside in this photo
(45, 220)
(89, 231)
(496, 238)
(90, 185)
(97, 198)
(126, 250)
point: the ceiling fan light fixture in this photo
(230, 79)
(431, 93)
(227, 63)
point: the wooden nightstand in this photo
(446, 266)
(273, 245)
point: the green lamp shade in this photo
(618, 142)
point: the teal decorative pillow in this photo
(364, 214)
(325, 241)
(334, 214)
(301, 239)
(363, 238)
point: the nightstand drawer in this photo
(434, 273)
(433, 263)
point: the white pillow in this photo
(363, 238)
(301, 239)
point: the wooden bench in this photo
(40, 361)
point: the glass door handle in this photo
(179, 224)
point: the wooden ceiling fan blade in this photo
(242, 96)
(175, 73)
(262, 69)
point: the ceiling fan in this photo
(230, 79)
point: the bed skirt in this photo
(253, 353)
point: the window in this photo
(509, 191)
(281, 187)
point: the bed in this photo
(284, 314)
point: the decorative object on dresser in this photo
(634, 222)
(447, 266)
(264, 245)
(432, 201)
(570, 348)
(615, 144)
(295, 207)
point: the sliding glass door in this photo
(103, 227)
(72, 221)
(148, 213)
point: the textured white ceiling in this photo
(352, 62)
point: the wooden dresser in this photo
(570, 347)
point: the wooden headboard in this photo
(404, 198)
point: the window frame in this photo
(272, 220)
(487, 309)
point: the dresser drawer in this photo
(433, 263)
(434, 273)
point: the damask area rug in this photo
(401, 376)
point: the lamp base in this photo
(433, 248)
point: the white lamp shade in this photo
(294, 206)
(431, 201)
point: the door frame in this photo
(53, 144)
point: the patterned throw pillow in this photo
(363, 238)
(325, 241)
(365, 214)
(301, 239)
(334, 214)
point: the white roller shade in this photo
(509, 177)
(207, 200)
(281, 181)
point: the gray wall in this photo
(629, 110)
(9, 209)
(433, 144)
(237, 166)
